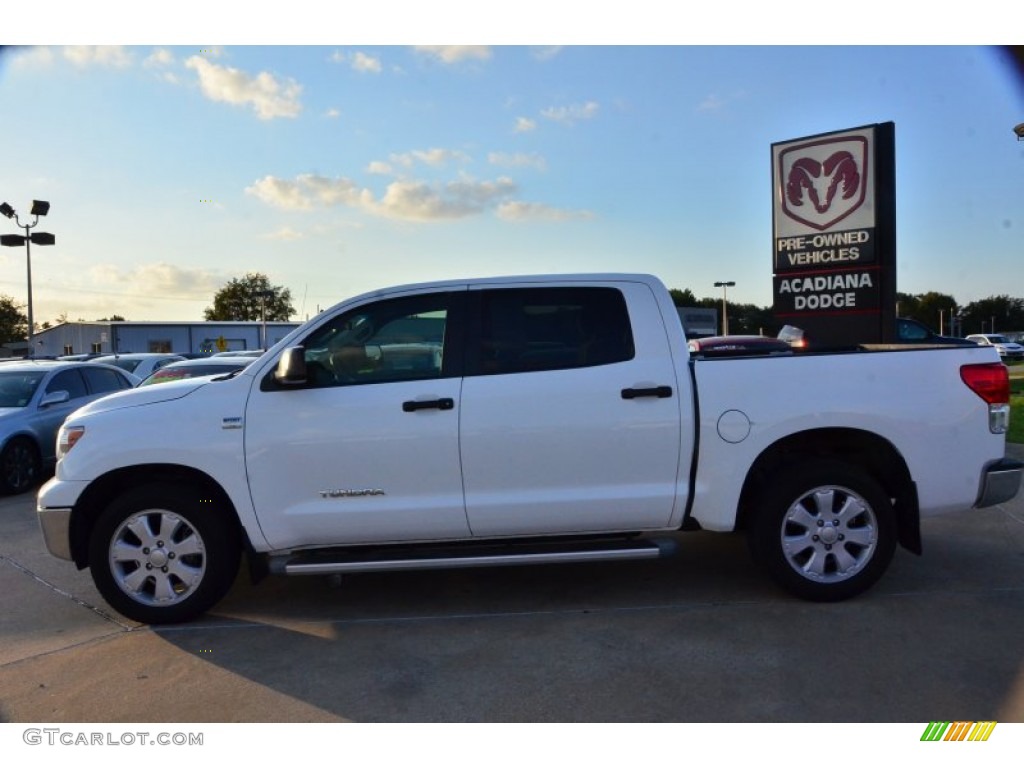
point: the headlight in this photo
(66, 439)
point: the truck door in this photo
(570, 411)
(366, 450)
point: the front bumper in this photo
(1000, 482)
(56, 526)
(54, 503)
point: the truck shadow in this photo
(697, 637)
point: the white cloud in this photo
(285, 233)
(545, 52)
(33, 57)
(333, 191)
(307, 191)
(280, 193)
(160, 57)
(404, 199)
(380, 168)
(362, 62)
(714, 103)
(515, 210)
(268, 97)
(333, 113)
(418, 201)
(358, 61)
(160, 279)
(102, 55)
(518, 160)
(157, 291)
(571, 114)
(435, 157)
(454, 54)
(525, 125)
(711, 103)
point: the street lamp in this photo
(725, 286)
(39, 208)
(264, 295)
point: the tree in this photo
(683, 298)
(936, 310)
(933, 309)
(906, 305)
(13, 322)
(243, 299)
(993, 315)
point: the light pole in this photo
(264, 295)
(39, 208)
(725, 286)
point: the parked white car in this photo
(141, 364)
(1008, 350)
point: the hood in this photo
(131, 398)
(5, 412)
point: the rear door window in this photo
(545, 329)
(69, 381)
(103, 380)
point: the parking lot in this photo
(700, 637)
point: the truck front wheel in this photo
(164, 553)
(824, 530)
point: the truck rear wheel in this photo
(164, 553)
(825, 530)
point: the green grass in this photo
(1016, 433)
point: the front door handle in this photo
(441, 404)
(633, 393)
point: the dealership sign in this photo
(834, 235)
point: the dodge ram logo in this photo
(823, 181)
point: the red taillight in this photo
(989, 381)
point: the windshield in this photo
(174, 373)
(17, 387)
(998, 339)
(121, 362)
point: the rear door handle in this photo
(633, 393)
(441, 404)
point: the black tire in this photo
(20, 466)
(824, 530)
(164, 553)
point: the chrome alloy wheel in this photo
(157, 558)
(829, 534)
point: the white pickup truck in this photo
(516, 421)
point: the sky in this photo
(338, 169)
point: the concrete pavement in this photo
(701, 637)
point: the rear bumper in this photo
(1000, 482)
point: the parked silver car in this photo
(35, 398)
(1008, 350)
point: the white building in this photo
(122, 336)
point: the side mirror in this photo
(54, 398)
(291, 368)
